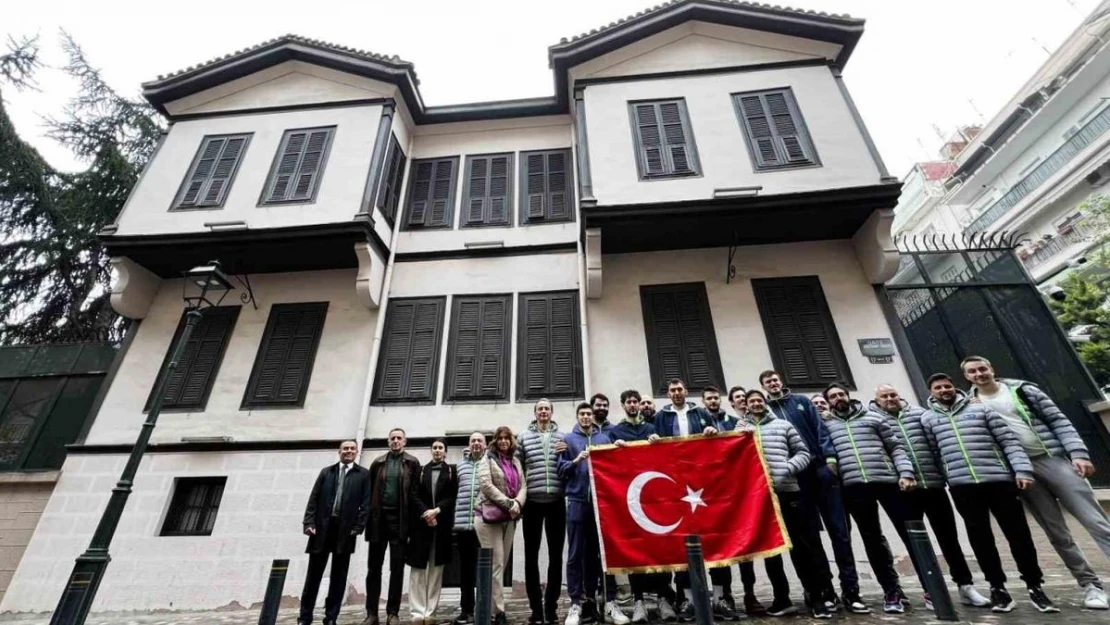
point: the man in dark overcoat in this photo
(336, 514)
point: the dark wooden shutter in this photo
(407, 365)
(665, 146)
(478, 351)
(297, 167)
(488, 190)
(800, 332)
(774, 128)
(549, 359)
(545, 186)
(680, 337)
(191, 381)
(213, 168)
(390, 195)
(432, 193)
(283, 366)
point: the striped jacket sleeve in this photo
(896, 449)
(1058, 422)
(799, 453)
(1008, 441)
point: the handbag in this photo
(492, 513)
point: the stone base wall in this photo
(22, 500)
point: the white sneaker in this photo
(1094, 598)
(666, 611)
(574, 615)
(970, 596)
(614, 615)
(639, 612)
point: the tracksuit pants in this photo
(821, 492)
(863, 501)
(977, 503)
(584, 573)
(934, 503)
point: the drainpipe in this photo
(582, 318)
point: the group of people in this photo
(833, 461)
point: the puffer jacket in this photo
(783, 449)
(867, 447)
(1055, 431)
(973, 443)
(799, 411)
(467, 471)
(540, 462)
(907, 425)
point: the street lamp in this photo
(204, 287)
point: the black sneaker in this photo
(892, 603)
(854, 604)
(686, 612)
(753, 607)
(1001, 601)
(904, 598)
(819, 611)
(535, 618)
(589, 612)
(463, 618)
(785, 607)
(551, 618)
(833, 602)
(724, 611)
(1041, 601)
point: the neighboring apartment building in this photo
(921, 210)
(1046, 152)
(699, 199)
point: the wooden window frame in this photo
(804, 136)
(568, 191)
(464, 201)
(433, 373)
(522, 392)
(249, 402)
(449, 216)
(452, 345)
(687, 128)
(840, 358)
(233, 313)
(320, 169)
(655, 366)
(180, 195)
(392, 184)
(178, 503)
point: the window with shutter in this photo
(193, 509)
(664, 139)
(549, 346)
(191, 381)
(800, 331)
(488, 193)
(298, 165)
(432, 193)
(284, 363)
(478, 348)
(390, 195)
(212, 172)
(774, 129)
(680, 337)
(408, 363)
(545, 187)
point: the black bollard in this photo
(699, 586)
(483, 608)
(921, 550)
(274, 588)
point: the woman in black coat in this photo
(430, 539)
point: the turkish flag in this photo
(650, 496)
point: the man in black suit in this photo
(334, 517)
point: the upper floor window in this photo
(188, 386)
(549, 346)
(489, 190)
(664, 140)
(478, 348)
(213, 169)
(409, 361)
(283, 366)
(680, 337)
(432, 193)
(389, 198)
(298, 165)
(545, 191)
(774, 130)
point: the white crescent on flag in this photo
(636, 509)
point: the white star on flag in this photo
(693, 497)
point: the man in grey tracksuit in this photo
(930, 497)
(538, 448)
(985, 467)
(1061, 466)
(875, 469)
(465, 537)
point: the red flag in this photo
(650, 496)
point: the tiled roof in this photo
(297, 39)
(739, 3)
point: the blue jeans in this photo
(821, 492)
(584, 556)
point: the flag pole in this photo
(597, 521)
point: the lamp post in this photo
(204, 287)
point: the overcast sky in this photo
(920, 67)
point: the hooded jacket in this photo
(867, 447)
(973, 443)
(468, 493)
(1053, 428)
(540, 462)
(576, 477)
(907, 424)
(631, 431)
(783, 449)
(799, 411)
(666, 420)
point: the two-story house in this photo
(699, 199)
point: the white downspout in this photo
(582, 319)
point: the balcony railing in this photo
(1050, 166)
(1082, 232)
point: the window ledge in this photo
(29, 477)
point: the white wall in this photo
(618, 347)
(339, 190)
(719, 139)
(332, 403)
